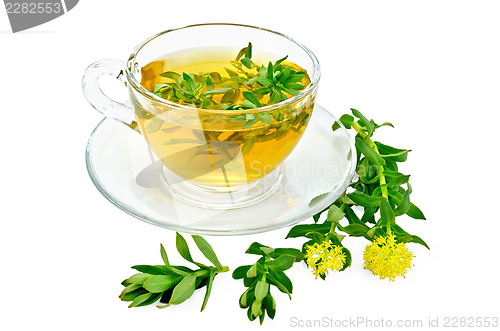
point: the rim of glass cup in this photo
(138, 87)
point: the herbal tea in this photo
(222, 137)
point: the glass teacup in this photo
(213, 158)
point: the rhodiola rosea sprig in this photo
(258, 278)
(382, 193)
(172, 284)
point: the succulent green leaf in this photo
(288, 251)
(241, 271)
(335, 214)
(346, 120)
(149, 269)
(256, 308)
(241, 53)
(295, 78)
(369, 152)
(140, 299)
(386, 213)
(270, 71)
(270, 305)
(384, 124)
(415, 212)
(249, 104)
(348, 259)
(294, 86)
(281, 263)
(159, 283)
(266, 118)
(228, 96)
(350, 214)
(262, 90)
(247, 62)
(396, 154)
(231, 73)
(404, 204)
(368, 215)
(283, 279)
(205, 102)
(184, 289)
(412, 239)
(252, 272)
(130, 288)
(182, 247)
(280, 60)
(152, 299)
(355, 229)
(290, 91)
(279, 285)
(130, 296)
(261, 290)
(246, 298)
(302, 229)
(230, 84)
(218, 91)
(267, 250)
(209, 288)
(255, 248)
(365, 200)
(165, 257)
(364, 121)
(138, 278)
(170, 74)
(207, 250)
(190, 83)
(159, 87)
(397, 181)
(248, 51)
(252, 98)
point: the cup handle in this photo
(100, 101)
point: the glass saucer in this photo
(125, 171)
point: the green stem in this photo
(201, 272)
(382, 181)
(381, 176)
(370, 143)
(206, 271)
(363, 135)
(332, 227)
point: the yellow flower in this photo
(387, 259)
(324, 257)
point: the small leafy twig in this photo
(268, 270)
(171, 284)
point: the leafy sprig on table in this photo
(258, 278)
(172, 284)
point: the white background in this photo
(430, 67)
